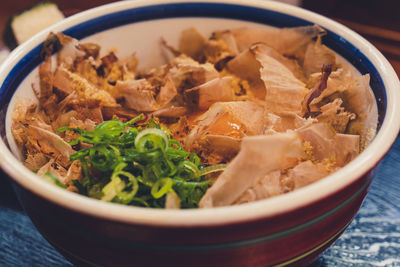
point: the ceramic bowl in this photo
(290, 229)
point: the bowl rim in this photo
(220, 215)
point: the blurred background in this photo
(377, 21)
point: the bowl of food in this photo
(195, 132)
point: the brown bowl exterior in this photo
(292, 238)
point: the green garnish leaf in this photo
(53, 179)
(138, 164)
(161, 187)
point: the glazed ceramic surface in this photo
(289, 229)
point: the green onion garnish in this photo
(138, 165)
(52, 179)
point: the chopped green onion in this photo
(161, 187)
(188, 168)
(53, 180)
(194, 158)
(138, 165)
(134, 120)
(211, 169)
(111, 189)
(81, 189)
(154, 135)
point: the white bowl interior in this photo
(143, 39)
